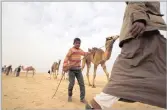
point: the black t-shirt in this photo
(19, 69)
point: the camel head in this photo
(110, 41)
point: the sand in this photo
(36, 93)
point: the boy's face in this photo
(77, 44)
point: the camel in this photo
(55, 69)
(98, 56)
(27, 69)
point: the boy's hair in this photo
(77, 39)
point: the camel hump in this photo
(95, 49)
(30, 67)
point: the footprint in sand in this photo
(38, 104)
(16, 98)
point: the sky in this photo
(40, 33)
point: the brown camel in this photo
(55, 69)
(97, 57)
(27, 69)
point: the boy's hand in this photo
(87, 53)
(137, 28)
(65, 68)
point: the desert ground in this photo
(36, 93)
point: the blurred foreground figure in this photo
(139, 72)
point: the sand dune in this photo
(35, 93)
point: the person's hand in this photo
(65, 68)
(137, 28)
(87, 54)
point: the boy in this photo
(72, 64)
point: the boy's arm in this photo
(65, 63)
(84, 53)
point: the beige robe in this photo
(139, 72)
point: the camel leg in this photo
(50, 75)
(87, 74)
(56, 74)
(105, 70)
(53, 75)
(33, 74)
(94, 76)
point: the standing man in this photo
(8, 70)
(18, 71)
(139, 72)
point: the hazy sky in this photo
(39, 33)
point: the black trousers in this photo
(79, 76)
